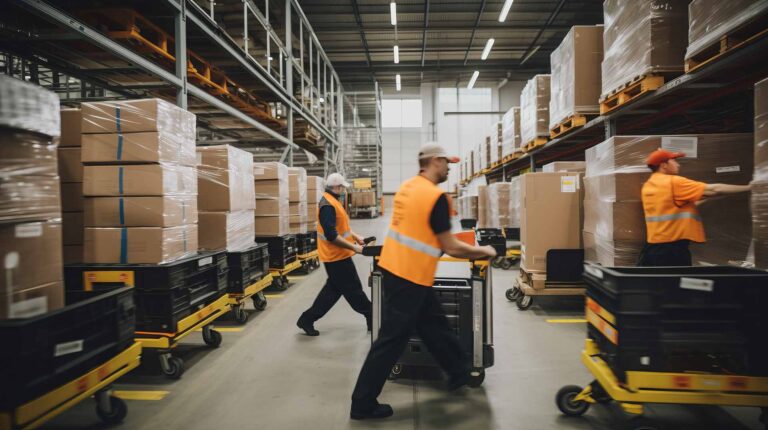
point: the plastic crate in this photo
(306, 242)
(493, 237)
(44, 352)
(247, 267)
(282, 249)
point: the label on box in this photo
(689, 145)
(28, 308)
(68, 348)
(569, 184)
(258, 171)
(33, 229)
(204, 261)
(706, 285)
(727, 169)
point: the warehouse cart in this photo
(306, 244)
(280, 276)
(512, 256)
(283, 258)
(247, 276)
(96, 382)
(563, 278)
(310, 260)
(255, 292)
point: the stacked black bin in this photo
(282, 249)
(306, 242)
(675, 319)
(247, 267)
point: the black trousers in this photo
(666, 254)
(407, 308)
(342, 281)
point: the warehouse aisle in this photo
(270, 376)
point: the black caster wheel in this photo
(566, 403)
(395, 372)
(599, 394)
(175, 368)
(241, 316)
(476, 378)
(116, 413)
(279, 284)
(213, 338)
(523, 302)
(259, 302)
(286, 282)
(512, 294)
(506, 263)
(497, 262)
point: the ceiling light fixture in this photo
(487, 49)
(397, 81)
(505, 10)
(472, 81)
(393, 13)
(530, 54)
(397, 54)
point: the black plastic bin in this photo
(493, 237)
(282, 249)
(47, 351)
(247, 267)
(306, 242)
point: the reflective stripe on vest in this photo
(672, 217)
(415, 244)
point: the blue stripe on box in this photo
(117, 119)
(120, 180)
(122, 212)
(119, 146)
(123, 245)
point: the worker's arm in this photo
(717, 190)
(458, 249)
(359, 239)
(328, 222)
(343, 243)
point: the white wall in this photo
(400, 149)
(509, 95)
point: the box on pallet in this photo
(70, 165)
(140, 245)
(710, 20)
(510, 125)
(502, 199)
(158, 211)
(71, 128)
(482, 206)
(760, 179)
(565, 166)
(497, 136)
(139, 180)
(315, 189)
(362, 199)
(272, 225)
(232, 231)
(468, 207)
(534, 109)
(297, 184)
(33, 254)
(138, 147)
(133, 116)
(225, 179)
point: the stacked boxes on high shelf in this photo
(534, 112)
(510, 129)
(297, 198)
(760, 180)
(30, 208)
(71, 176)
(271, 188)
(497, 137)
(139, 182)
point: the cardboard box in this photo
(225, 179)
(139, 180)
(70, 165)
(565, 166)
(482, 206)
(311, 226)
(270, 171)
(362, 199)
(140, 245)
(26, 154)
(71, 130)
(611, 253)
(31, 253)
(534, 109)
(230, 231)
(712, 20)
(297, 184)
(32, 302)
(312, 209)
(29, 198)
(272, 226)
(144, 147)
(271, 189)
(299, 209)
(167, 211)
(131, 116)
(72, 228)
(272, 207)
(551, 216)
(73, 254)
(299, 228)
(314, 195)
(72, 199)
(615, 220)
(617, 187)
(315, 183)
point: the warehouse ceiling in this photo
(442, 41)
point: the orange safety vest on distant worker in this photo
(669, 203)
(411, 249)
(326, 250)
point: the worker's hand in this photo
(358, 249)
(359, 239)
(489, 251)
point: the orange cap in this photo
(662, 156)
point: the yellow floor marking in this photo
(141, 395)
(274, 296)
(296, 278)
(225, 329)
(568, 321)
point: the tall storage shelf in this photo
(361, 142)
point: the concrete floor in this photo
(270, 376)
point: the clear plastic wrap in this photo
(467, 207)
(710, 20)
(761, 131)
(140, 245)
(510, 129)
(362, 198)
(482, 206)
(133, 116)
(231, 231)
(297, 184)
(161, 211)
(515, 204)
(575, 82)
(37, 246)
(534, 109)
(139, 180)
(24, 106)
(499, 205)
(139, 147)
(270, 171)
(760, 184)
(642, 37)
(298, 211)
(497, 135)
(273, 225)
(315, 189)
(565, 166)
(225, 179)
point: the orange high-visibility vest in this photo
(669, 202)
(411, 249)
(328, 251)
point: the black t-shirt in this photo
(440, 218)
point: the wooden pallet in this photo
(535, 143)
(733, 40)
(571, 123)
(535, 284)
(631, 91)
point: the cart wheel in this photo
(476, 378)
(279, 285)
(241, 316)
(506, 263)
(116, 414)
(524, 302)
(213, 339)
(259, 302)
(496, 262)
(397, 369)
(566, 404)
(512, 294)
(175, 368)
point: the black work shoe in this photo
(457, 381)
(379, 411)
(308, 328)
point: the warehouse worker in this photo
(672, 219)
(420, 231)
(336, 244)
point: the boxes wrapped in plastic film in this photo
(145, 115)
(497, 136)
(534, 109)
(482, 206)
(503, 205)
(565, 166)
(297, 184)
(139, 180)
(272, 171)
(139, 245)
(272, 192)
(24, 106)
(642, 37)
(138, 147)
(152, 211)
(575, 81)
(315, 189)
(614, 220)
(273, 225)
(467, 207)
(225, 179)
(710, 20)
(760, 180)
(231, 231)
(510, 130)
(362, 198)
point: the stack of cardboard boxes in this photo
(139, 182)
(271, 188)
(315, 189)
(71, 176)
(468, 207)
(30, 210)
(497, 137)
(226, 198)
(534, 109)
(482, 206)
(565, 166)
(510, 130)
(497, 200)
(362, 198)
(760, 183)
(297, 185)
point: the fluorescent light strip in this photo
(535, 49)
(397, 81)
(487, 49)
(505, 10)
(472, 81)
(397, 54)
(393, 13)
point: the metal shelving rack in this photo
(269, 47)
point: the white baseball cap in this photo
(335, 179)
(433, 149)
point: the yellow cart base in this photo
(255, 292)
(95, 383)
(280, 276)
(310, 260)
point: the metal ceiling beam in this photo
(474, 30)
(551, 19)
(415, 67)
(424, 33)
(362, 34)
